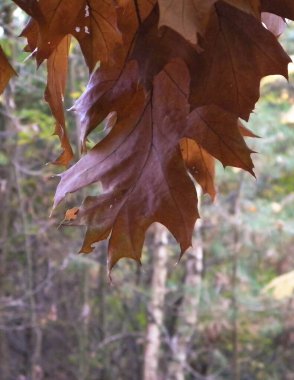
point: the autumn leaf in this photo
(187, 17)
(245, 131)
(109, 88)
(232, 36)
(55, 19)
(97, 32)
(92, 23)
(174, 78)
(238, 53)
(190, 17)
(140, 163)
(218, 133)
(252, 7)
(54, 95)
(57, 68)
(6, 71)
(201, 165)
(71, 214)
(142, 173)
(31, 33)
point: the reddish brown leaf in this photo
(245, 131)
(187, 17)
(109, 88)
(31, 33)
(6, 71)
(218, 133)
(249, 6)
(92, 22)
(143, 175)
(141, 168)
(162, 134)
(232, 37)
(190, 17)
(96, 31)
(54, 95)
(235, 44)
(200, 164)
(56, 82)
(55, 18)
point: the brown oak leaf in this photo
(96, 31)
(142, 172)
(50, 17)
(187, 17)
(109, 89)
(190, 17)
(235, 44)
(200, 164)
(6, 71)
(252, 7)
(173, 79)
(92, 22)
(57, 66)
(231, 38)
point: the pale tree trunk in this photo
(188, 312)
(156, 304)
(83, 330)
(236, 209)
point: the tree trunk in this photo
(188, 311)
(236, 210)
(156, 305)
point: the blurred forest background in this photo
(225, 312)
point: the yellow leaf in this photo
(281, 287)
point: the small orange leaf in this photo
(71, 214)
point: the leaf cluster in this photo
(171, 80)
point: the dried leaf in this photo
(109, 88)
(6, 71)
(238, 52)
(55, 18)
(200, 164)
(92, 22)
(231, 38)
(174, 78)
(71, 214)
(249, 6)
(54, 95)
(96, 30)
(218, 133)
(191, 17)
(142, 173)
(187, 17)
